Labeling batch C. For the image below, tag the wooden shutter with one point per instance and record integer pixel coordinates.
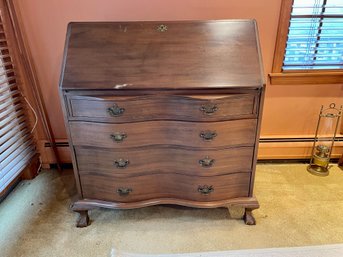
(16, 144)
(315, 36)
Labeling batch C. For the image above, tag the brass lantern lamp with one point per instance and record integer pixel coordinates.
(324, 139)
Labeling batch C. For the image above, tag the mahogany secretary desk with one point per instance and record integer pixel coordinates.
(163, 113)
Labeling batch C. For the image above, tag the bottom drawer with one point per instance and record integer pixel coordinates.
(165, 186)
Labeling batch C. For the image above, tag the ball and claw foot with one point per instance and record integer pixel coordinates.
(249, 218)
(83, 220)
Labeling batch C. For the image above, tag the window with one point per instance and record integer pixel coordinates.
(16, 144)
(309, 46)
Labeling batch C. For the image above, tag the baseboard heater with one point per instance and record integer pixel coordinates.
(262, 140)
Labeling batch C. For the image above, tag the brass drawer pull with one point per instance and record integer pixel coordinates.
(121, 164)
(209, 109)
(124, 191)
(118, 137)
(208, 135)
(205, 190)
(115, 110)
(206, 162)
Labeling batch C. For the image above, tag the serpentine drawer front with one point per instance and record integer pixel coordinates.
(163, 113)
(175, 107)
(183, 187)
(164, 160)
(181, 133)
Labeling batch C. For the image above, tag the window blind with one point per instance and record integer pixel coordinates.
(315, 36)
(16, 144)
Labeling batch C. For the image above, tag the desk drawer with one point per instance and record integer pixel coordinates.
(191, 134)
(116, 109)
(133, 162)
(175, 186)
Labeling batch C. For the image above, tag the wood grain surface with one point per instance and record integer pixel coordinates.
(228, 133)
(165, 186)
(164, 160)
(136, 55)
(88, 204)
(155, 107)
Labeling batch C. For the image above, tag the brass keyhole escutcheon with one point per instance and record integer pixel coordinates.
(162, 28)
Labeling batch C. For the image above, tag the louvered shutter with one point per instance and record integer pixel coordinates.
(16, 144)
(315, 37)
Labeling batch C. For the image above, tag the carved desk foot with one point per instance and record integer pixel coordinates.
(248, 217)
(83, 220)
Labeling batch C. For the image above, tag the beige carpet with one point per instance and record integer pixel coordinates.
(335, 250)
(297, 209)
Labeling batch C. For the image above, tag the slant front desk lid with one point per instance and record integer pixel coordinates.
(162, 55)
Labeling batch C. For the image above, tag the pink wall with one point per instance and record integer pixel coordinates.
(288, 111)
